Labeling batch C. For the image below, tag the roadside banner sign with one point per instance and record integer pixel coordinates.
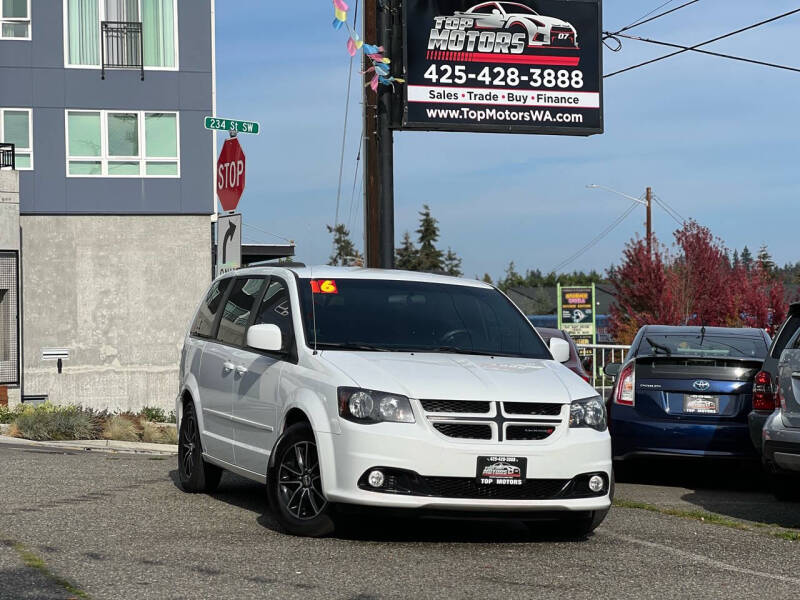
(230, 174)
(528, 66)
(219, 124)
(229, 243)
(576, 313)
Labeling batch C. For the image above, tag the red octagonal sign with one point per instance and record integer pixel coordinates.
(230, 174)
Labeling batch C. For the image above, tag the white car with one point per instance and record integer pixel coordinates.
(541, 30)
(347, 387)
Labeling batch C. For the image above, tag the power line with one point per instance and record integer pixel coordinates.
(665, 204)
(718, 54)
(644, 19)
(355, 180)
(669, 212)
(267, 232)
(596, 240)
(716, 39)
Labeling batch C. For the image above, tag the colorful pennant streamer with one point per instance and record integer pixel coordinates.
(374, 53)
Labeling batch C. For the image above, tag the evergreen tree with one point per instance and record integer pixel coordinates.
(736, 262)
(487, 279)
(452, 264)
(407, 255)
(747, 258)
(344, 250)
(765, 260)
(431, 259)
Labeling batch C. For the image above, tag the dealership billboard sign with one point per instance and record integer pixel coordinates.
(576, 313)
(529, 66)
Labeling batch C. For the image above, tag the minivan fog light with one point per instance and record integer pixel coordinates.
(375, 479)
(595, 483)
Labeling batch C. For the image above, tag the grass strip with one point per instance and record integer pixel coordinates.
(35, 561)
(707, 517)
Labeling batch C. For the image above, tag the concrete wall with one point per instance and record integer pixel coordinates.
(118, 292)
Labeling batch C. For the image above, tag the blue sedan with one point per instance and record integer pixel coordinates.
(686, 391)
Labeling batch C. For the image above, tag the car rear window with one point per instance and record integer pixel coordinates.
(691, 344)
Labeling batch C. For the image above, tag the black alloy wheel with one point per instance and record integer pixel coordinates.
(195, 474)
(294, 485)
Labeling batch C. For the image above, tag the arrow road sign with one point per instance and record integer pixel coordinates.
(218, 124)
(229, 243)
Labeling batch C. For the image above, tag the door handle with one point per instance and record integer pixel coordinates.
(227, 367)
(241, 370)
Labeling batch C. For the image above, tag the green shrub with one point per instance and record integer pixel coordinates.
(7, 415)
(48, 422)
(154, 414)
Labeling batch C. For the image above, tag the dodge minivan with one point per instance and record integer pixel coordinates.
(342, 388)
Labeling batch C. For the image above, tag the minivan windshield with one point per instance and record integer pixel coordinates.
(698, 345)
(411, 316)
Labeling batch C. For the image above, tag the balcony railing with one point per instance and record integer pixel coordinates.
(7, 157)
(121, 47)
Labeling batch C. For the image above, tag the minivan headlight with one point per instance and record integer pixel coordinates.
(369, 406)
(589, 412)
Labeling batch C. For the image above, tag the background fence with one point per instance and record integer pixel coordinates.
(596, 357)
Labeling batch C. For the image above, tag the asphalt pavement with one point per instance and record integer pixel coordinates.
(81, 524)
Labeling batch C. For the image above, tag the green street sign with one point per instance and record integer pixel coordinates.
(215, 123)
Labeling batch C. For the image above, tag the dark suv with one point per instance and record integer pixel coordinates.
(765, 398)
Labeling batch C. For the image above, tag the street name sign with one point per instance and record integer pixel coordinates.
(229, 243)
(230, 174)
(218, 124)
(528, 66)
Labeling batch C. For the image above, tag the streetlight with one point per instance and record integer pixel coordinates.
(648, 203)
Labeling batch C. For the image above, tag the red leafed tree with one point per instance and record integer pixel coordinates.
(696, 286)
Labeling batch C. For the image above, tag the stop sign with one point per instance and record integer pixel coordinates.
(230, 174)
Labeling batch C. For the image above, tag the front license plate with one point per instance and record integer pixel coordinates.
(695, 404)
(501, 470)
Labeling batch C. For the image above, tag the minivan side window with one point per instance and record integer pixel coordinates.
(786, 333)
(276, 309)
(203, 325)
(238, 308)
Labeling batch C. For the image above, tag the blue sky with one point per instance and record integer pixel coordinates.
(716, 139)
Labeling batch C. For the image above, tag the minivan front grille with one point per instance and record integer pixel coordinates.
(532, 408)
(528, 432)
(455, 406)
(478, 431)
(463, 487)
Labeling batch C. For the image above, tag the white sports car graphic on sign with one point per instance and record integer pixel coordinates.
(541, 30)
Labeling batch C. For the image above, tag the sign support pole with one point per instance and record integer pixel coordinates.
(379, 148)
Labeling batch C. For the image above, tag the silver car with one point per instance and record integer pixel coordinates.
(781, 433)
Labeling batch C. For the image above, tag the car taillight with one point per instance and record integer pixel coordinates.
(763, 392)
(625, 392)
(581, 374)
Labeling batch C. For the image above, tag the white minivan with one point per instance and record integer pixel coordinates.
(351, 387)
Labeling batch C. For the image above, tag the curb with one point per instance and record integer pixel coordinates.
(98, 446)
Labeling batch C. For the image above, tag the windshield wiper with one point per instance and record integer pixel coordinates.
(657, 346)
(350, 346)
(457, 350)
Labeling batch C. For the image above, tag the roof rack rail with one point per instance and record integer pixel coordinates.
(275, 263)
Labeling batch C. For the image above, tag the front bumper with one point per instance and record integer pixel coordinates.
(781, 444)
(413, 448)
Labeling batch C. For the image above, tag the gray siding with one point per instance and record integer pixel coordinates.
(32, 75)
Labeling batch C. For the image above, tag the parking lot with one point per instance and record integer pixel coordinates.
(97, 525)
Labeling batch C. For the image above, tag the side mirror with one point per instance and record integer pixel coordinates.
(265, 337)
(559, 349)
(612, 369)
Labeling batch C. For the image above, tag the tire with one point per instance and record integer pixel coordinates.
(784, 487)
(195, 474)
(581, 528)
(294, 485)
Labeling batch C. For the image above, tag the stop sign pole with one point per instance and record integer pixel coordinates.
(230, 173)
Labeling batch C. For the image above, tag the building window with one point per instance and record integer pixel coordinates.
(15, 19)
(104, 143)
(9, 322)
(15, 128)
(159, 20)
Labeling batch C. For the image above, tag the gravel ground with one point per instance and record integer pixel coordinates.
(117, 526)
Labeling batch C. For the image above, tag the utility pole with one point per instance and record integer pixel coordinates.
(649, 221)
(379, 150)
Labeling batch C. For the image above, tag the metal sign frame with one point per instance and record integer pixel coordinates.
(229, 239)
(513, 128)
